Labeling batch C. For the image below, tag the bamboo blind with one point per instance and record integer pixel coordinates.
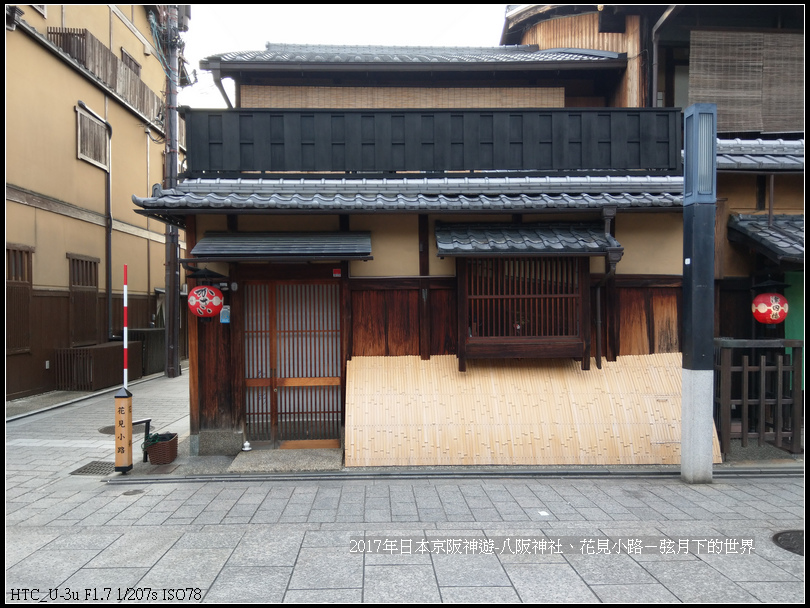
(756, 79)
(403, 411)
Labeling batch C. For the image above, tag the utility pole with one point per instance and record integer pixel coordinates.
(699, 211)
(172, 238)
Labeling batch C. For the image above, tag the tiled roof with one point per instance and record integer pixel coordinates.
(760, 155)
(516, 239)
(289, 246)
(391, 55)
(781, 239)
(418, 194)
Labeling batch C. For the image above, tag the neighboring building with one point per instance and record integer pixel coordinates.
(750, 62)
(384, 219)
(84, 130)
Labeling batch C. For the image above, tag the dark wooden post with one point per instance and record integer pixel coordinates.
(798, 402)
(461, 287)
(725, 401)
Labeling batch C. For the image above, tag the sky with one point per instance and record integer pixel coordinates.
(223, 28)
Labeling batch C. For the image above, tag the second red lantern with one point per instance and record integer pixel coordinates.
(770, 308)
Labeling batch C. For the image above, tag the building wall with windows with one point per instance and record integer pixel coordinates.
(75, 74)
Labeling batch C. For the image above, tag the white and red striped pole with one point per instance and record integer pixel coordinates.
(123, 408)
(126, 360)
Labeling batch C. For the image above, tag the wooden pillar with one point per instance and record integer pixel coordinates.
(461, 290)
(193, 343)
(424, 289)
(237, 363)
(585, 321)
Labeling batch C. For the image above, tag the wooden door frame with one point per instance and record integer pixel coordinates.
(273, 276)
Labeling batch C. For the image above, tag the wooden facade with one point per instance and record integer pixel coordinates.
(556, 141)
(487, 307)
(305, 133)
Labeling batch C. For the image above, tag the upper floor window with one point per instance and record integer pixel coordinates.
(40, 8)
(129, 61)
(92, 139)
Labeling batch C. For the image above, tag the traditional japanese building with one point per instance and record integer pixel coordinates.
(461, 255)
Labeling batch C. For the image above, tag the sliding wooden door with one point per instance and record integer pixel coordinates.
(293, 361)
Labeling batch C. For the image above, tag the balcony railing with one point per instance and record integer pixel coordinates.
(103, 63)
(758, 392)
(550, 141)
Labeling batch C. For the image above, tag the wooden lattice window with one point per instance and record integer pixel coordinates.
(518, 307)
(528, 297)
(129, 61)
(83, 300)
(92, 139)
(19, 287)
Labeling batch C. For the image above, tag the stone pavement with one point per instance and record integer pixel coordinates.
(258, 529)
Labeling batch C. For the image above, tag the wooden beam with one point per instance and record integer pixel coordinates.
(193, 342)
(461, 282)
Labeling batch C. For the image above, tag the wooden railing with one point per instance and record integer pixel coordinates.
(101, 61)
(758, 392)
(551, 141)
(96, 367)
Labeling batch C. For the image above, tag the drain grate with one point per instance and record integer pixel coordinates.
(97, 467)
(791, 540)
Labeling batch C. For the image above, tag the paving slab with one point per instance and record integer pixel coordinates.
(251, 528)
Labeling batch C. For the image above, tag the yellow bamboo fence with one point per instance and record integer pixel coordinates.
(403, 411)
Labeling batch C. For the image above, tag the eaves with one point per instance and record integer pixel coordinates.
(296, 67)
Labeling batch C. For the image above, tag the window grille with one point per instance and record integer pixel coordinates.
(523, 297)
(92, 139)
(83, 300)
(19, 287)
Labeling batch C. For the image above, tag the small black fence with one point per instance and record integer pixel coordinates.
(758, 392)
(92, 368)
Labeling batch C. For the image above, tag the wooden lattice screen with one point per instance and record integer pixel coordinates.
(293, 362)
(523, 297)
(524, 307)
(83, 300)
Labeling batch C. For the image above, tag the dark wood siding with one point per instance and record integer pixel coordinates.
(443, 322)
(548, 140)
(26, 372)
(649, 315)
(388, 317)
(385, 322)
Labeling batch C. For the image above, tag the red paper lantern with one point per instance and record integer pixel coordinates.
(770, 308)
(205, 301)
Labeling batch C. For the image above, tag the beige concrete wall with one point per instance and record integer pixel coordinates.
(289, 223)
(20, 224)
(41, 146)
(136, 166)
(41, 142)
(446, 267)
(394, 245)
(653, 243)
(210, 223)
(57, 236)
